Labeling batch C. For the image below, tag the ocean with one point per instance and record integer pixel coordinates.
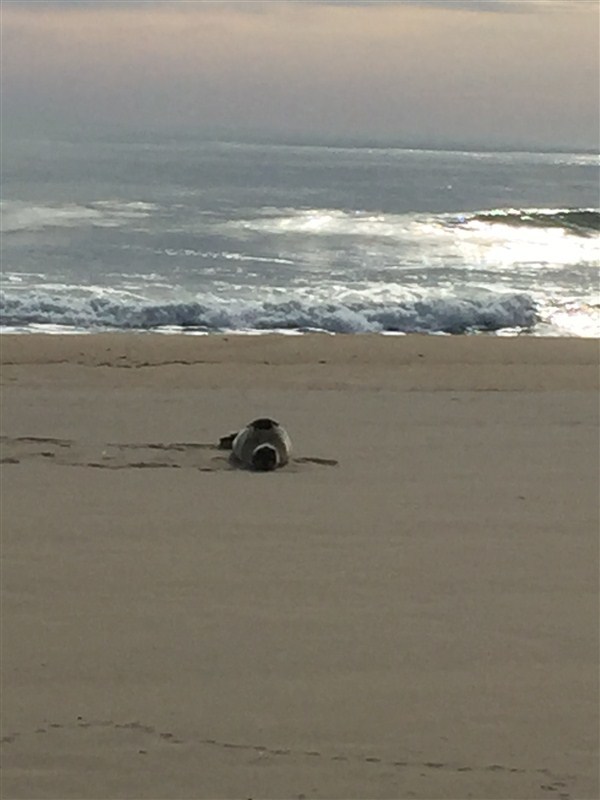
(177, 235)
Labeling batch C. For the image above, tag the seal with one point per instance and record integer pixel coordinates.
(262, 445)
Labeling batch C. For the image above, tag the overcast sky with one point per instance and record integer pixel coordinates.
(482, 73)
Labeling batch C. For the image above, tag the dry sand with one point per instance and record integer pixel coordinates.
(418, 621)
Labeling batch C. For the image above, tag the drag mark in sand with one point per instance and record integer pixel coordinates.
(205, 457)
(143, 737)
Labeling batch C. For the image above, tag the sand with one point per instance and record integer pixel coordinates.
(417, 620)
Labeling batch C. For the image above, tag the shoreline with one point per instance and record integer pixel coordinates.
(405, 363)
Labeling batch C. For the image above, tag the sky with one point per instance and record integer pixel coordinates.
(484, 73)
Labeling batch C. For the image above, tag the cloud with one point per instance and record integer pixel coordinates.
(316, 68)
(448, 5)
(496, 6)
(44, 5)
(252, 6)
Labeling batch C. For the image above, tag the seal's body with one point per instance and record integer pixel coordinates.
(262, 445)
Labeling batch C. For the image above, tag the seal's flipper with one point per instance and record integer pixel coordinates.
(226, 442)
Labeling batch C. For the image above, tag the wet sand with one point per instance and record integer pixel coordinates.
(408, 610)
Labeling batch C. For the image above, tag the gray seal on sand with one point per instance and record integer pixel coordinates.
(262, 445)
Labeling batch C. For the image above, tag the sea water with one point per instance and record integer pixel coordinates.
(194, 236)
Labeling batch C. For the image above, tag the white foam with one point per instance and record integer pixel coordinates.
(328, 222)
(485, 239)
(19, 216)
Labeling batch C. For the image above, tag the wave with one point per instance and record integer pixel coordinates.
(582, 221)
(324, 222)
(337, 222)
(19, 216)
(424, 312)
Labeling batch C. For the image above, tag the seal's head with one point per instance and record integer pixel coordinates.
(263, 424)
(265, 458)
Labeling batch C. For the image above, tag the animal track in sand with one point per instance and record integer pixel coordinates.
(205, 457)
(149, 735)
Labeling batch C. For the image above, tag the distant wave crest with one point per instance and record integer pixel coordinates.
(582, 221)
(18, 216)
(427, 312)
(327, 222)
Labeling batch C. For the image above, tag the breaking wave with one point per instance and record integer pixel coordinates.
(18, 216)
(424, 312)
(328, 222)
(581, 221)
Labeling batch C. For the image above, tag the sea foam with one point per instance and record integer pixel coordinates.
(425, 312)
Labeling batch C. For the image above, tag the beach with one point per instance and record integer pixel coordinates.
(409, 609)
